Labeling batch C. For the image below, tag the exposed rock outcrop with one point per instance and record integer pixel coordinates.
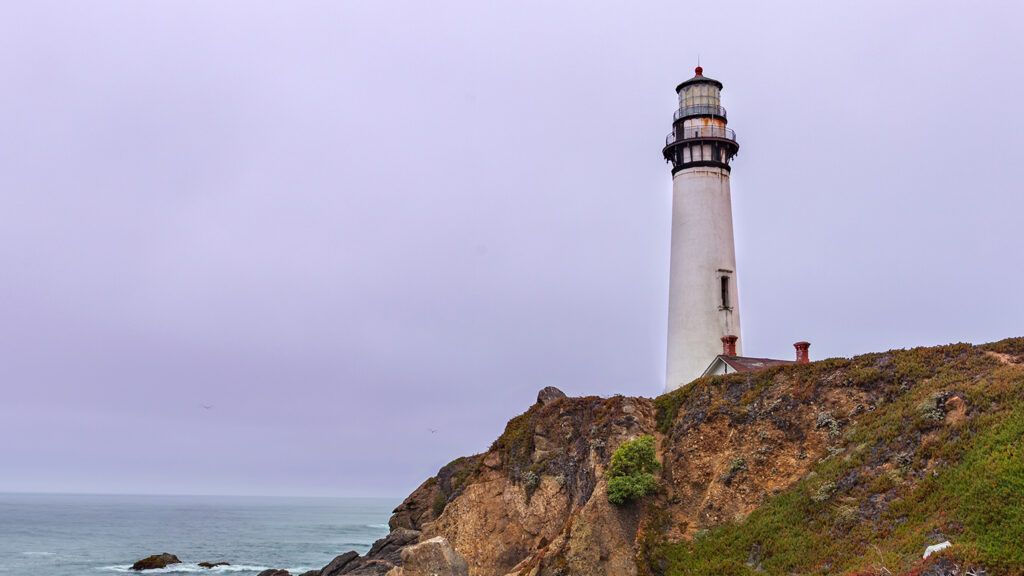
(274, 572)
(335, 567)
(384, 555)
(841, 466)
(433, 557)
(156, 561)
(212, 564)
(548, 395)
(530, 499)
(389, 548)
(430, 499)
(793, 469)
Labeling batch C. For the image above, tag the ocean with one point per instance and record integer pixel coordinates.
(87, 535)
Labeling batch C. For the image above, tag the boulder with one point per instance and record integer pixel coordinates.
(936, 548)
(548, 395)
(389, 548)
(274, 572)
(955, 409)
(156, 561)
(310, 573)
(493, 460)
(212, 564)
(434, 557)
(335, 567)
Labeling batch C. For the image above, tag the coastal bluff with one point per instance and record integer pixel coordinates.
(841, 466)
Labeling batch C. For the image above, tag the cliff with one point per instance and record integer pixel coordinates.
(842, 466)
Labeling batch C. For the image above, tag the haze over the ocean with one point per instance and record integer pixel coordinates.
(338, 225)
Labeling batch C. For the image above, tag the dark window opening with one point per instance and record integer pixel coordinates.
(725, 293)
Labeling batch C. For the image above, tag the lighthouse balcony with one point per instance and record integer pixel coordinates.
(700, 133)
(699, 110)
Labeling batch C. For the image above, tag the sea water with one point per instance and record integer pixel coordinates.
(80, 535)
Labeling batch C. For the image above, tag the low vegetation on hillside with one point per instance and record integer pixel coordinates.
(939, 457)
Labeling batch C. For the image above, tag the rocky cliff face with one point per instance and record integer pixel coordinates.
(839, 466)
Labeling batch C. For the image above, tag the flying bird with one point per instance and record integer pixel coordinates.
(207, 406)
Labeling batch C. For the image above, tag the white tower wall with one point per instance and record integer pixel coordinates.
(703, 253)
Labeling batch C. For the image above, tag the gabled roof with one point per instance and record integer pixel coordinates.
(745, 363)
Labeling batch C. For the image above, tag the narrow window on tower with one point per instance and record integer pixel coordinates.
(725, 293)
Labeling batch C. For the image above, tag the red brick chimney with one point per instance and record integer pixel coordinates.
(729, 345)
(802, 355)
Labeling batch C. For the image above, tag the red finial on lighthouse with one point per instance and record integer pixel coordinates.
(698, 71)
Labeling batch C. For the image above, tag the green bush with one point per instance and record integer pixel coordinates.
(631, 472)
(624, 489)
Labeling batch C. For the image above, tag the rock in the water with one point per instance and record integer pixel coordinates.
(311, 573)
(434, 557)
(156, 561)
(274, 572)
(548, 395)
(212, 564)
(339, 563)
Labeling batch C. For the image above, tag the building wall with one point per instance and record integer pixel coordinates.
(718, 368)
(703, 253)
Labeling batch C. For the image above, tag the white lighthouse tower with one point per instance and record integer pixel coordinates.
(703, 310)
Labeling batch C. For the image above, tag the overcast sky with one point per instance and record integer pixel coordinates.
(341, 224)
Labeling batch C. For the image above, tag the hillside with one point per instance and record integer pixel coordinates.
(842, 466)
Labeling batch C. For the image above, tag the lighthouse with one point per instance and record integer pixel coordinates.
(704, 306)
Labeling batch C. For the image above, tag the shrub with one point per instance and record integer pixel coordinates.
(827, 420)
(737, 466)
(530, 480)
(631, 472)
(824, 492)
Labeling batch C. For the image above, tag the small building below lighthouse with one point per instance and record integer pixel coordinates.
(704, 305)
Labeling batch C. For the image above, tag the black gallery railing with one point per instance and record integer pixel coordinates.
(697, 132)
(699, 110)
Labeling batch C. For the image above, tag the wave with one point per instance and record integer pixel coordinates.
(378, 526)
(39, 553)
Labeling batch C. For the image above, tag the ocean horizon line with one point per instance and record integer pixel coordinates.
(200, 495)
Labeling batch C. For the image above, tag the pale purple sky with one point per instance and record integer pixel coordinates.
(344, 223)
